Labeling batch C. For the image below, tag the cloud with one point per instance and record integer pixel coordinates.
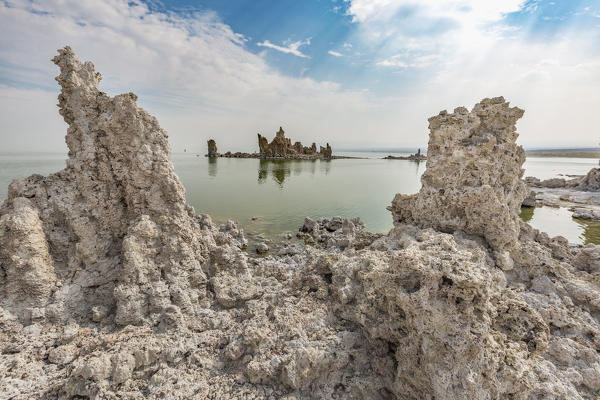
(192, 71)
(288, 48)
(200, 79)
(335, 53)
(458, 52)
(463, 11)
(409, 61)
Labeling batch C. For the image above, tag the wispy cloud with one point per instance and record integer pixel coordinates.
(288, 47)
(191, 70)
(462, 11)
(334, 53)
(199, 77)
(409, 61)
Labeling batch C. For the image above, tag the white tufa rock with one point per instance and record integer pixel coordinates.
(111, 287)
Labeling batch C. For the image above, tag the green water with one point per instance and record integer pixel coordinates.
(270, 197)
(280, 193)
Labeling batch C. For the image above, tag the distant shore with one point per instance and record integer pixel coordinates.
(563, 153)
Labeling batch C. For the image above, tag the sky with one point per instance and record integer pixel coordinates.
(355, 73)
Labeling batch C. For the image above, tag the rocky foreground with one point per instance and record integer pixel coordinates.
(112, 287)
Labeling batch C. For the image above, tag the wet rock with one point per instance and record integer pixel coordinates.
(262, 248)
(586, 213)
(553, 183)
(529, 201)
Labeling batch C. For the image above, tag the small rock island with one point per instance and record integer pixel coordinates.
(413, 157)
(280, 147)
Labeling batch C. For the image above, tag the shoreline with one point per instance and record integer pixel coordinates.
(563, 154)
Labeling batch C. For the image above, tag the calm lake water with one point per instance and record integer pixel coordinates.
(280, 193)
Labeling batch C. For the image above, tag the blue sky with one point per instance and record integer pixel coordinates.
(356, 73)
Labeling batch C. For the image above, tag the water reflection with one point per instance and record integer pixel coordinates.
(526, 213)
(280, 170)
(558, 221)
(282, 192)
(591, 230)
(212, 166)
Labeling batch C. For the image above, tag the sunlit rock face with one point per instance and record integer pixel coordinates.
(473, 177)
(112, 222)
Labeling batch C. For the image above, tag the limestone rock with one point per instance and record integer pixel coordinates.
(113, 288)
(212, 148)
(262, 248)
(108, 225)
(529, 201)
(28, 277)
(473, 177)
(590, 182)
(281, 147)
(587, 183)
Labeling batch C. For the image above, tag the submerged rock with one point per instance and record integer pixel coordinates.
(111, 286)
(529, 201)
(262, 248)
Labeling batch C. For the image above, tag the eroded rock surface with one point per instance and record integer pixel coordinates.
(589, 182)
(212, 148)
(282, 147)
(473, 177)
(111, 287)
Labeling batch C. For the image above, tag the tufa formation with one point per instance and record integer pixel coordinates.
(281, 147)
(212, 148)
(112, 287)
(473, 177)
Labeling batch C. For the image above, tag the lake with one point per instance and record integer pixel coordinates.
(271, 197)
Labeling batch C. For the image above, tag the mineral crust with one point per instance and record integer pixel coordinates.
(473, 177)
(112, 287)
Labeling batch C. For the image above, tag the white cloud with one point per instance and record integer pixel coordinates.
(195, 74)
(463, 11)
(409, 61)
(335, 53)
(288, 48)
(192, 72)
(455, 52)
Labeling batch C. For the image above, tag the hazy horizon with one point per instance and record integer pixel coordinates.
(354, 73)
